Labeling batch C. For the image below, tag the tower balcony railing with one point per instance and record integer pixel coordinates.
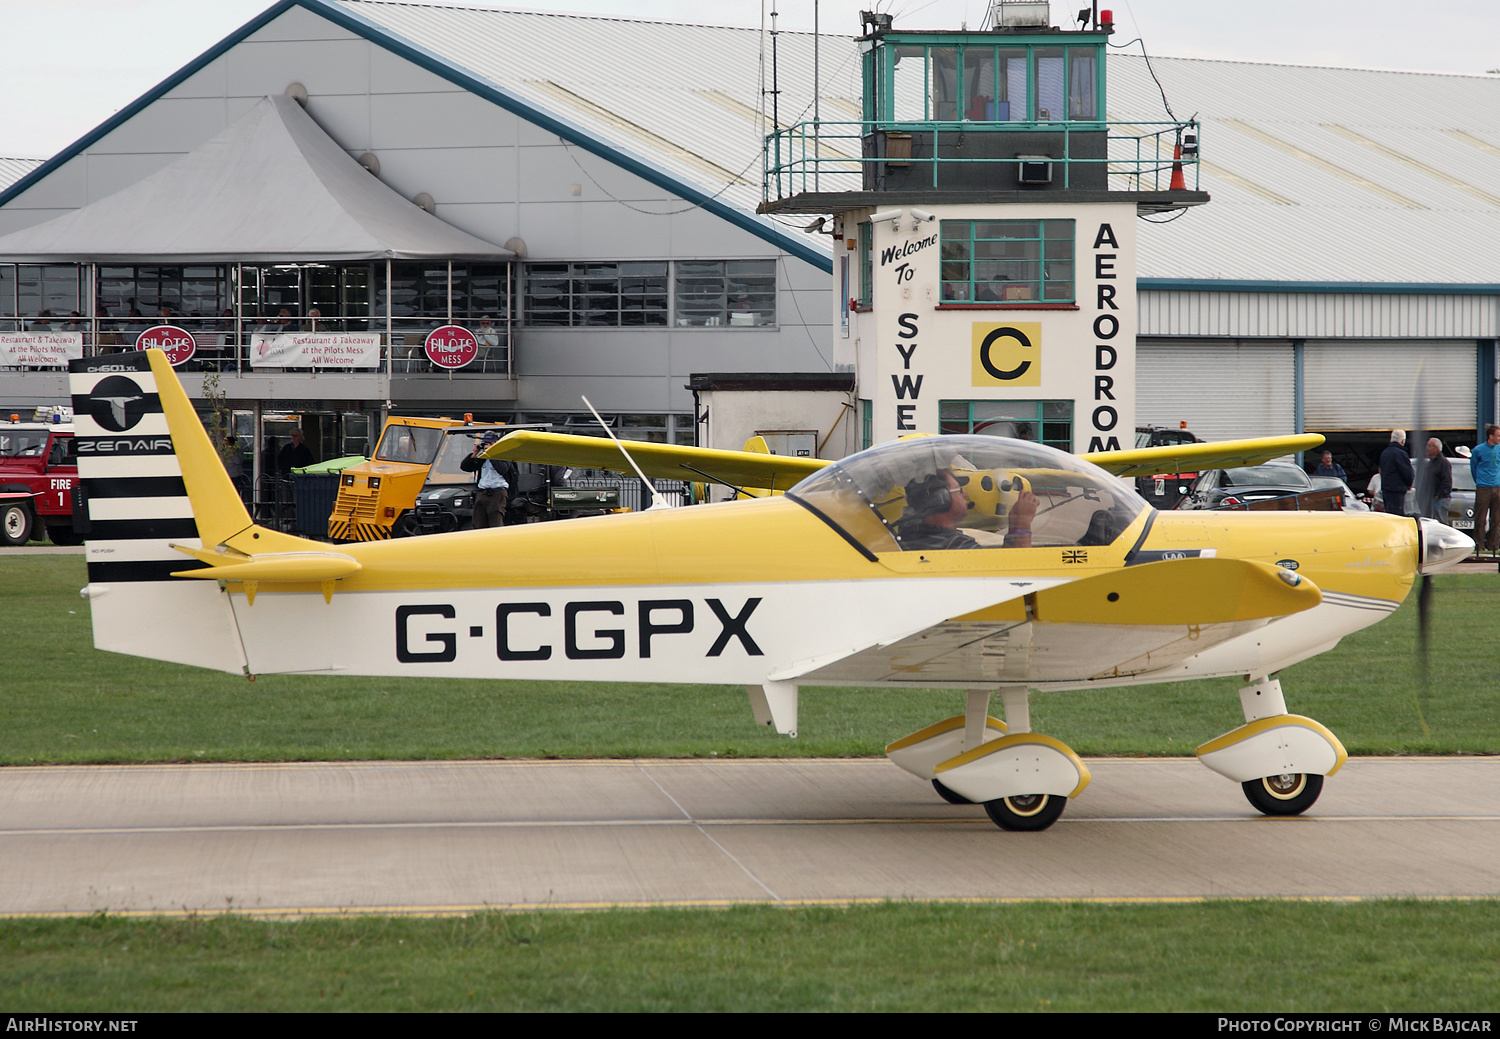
(823, 157)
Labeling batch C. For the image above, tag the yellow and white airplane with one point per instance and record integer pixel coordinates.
(992, 565)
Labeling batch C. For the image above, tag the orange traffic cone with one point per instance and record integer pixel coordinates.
(1178, 184)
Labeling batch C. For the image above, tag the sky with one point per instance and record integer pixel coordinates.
(70, 64)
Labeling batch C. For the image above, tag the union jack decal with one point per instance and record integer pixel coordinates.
(1079, 555)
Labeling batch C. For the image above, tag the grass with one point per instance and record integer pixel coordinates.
(63, 701)
(1206, 957)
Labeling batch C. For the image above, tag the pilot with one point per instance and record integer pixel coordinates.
(936, 505)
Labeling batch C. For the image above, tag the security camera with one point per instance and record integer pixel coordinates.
(816, 226)
(893, 215)
(920, 216)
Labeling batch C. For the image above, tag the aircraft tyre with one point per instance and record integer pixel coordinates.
(953, 797)
(1290, 793)
(1028, 812)
(15, 524)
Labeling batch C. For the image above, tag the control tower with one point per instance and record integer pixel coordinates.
(984, 215)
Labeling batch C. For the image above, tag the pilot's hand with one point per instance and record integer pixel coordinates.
(1023, 511)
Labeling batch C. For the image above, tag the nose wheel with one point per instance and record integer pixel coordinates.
(1025, 811)
(1290, 793)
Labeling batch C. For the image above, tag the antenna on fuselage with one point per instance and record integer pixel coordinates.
(657, 501)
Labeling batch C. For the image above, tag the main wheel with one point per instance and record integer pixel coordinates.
(1290, 793)
(1025, 811)
(953, 797)
(15, 524)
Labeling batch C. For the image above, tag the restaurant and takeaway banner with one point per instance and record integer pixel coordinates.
(40, 348)
(315, 350)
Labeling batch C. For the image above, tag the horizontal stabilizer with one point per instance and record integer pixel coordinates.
(275, 566)
(1188, 458)
(657, 461)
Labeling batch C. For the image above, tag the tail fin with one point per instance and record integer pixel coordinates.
(152, 481)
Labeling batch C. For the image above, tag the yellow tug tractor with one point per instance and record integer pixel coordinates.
(377, 499)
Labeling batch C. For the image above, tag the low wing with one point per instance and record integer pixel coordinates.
(1178, 458)
(1125, 622)
(658, 461)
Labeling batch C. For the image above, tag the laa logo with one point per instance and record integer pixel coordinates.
(117, 403)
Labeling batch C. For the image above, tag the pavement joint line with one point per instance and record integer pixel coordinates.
(485, 763)
(708, 836)
(978, 822)
(292, 912)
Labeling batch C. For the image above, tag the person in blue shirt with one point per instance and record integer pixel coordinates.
(1328, 467)
(1484, 463)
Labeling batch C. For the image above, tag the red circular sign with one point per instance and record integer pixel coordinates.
(175, 342)
(451, 346)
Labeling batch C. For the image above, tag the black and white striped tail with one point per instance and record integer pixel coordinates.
(131, 478)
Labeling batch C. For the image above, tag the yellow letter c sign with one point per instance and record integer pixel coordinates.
(1008, 353)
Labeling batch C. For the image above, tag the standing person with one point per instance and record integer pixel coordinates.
(294, 455)
(1484, 463)
(496, 477)
(1435, 483)
(1328, 467)
(1396, 474)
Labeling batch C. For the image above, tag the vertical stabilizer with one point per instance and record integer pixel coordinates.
(130, 418)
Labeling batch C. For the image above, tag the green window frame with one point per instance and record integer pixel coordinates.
(989, 83)
(1007, 261)
(1047, 422)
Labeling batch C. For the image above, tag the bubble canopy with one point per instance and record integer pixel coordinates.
(959, 492)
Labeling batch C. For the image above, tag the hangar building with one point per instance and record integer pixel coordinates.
(1341, 281)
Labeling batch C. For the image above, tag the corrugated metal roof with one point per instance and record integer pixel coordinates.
(12, 170)
(1317, 174)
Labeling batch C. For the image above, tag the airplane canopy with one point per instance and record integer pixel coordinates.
(933, 493)
(272, 187)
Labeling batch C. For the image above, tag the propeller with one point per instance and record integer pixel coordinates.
(1417, 444)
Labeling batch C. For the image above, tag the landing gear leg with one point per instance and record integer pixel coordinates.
(976, 718)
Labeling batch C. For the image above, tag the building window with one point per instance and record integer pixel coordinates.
(44, 295)
(866, 423)
(725, 292)
(1007, 261)
(1047, 422)
(619, 295)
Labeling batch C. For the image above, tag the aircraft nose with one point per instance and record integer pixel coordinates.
(1442, 547)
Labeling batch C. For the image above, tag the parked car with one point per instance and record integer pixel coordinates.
(1164, 490)
(1272, 485)
(1351, 501)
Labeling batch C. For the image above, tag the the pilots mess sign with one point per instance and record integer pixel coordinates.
(998, 318)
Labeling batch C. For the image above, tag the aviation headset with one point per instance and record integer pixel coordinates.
(929, 496)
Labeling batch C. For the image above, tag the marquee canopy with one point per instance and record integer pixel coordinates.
(272, 187)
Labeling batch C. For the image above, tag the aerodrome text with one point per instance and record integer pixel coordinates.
(1106, 326)
(589, 629)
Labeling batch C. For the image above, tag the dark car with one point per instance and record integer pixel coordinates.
(1164, 490)
(1250, 486)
